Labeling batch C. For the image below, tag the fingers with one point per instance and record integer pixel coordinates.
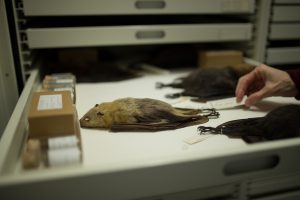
(240, 90)
(243, 85)
(252, 99)
(257, 96)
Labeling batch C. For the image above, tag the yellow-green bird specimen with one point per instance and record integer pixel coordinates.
(140, 114)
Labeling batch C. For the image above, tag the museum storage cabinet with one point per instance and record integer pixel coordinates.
(158, 165)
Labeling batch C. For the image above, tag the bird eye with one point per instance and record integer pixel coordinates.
(96, 105)
(87, 119)
(100, 114)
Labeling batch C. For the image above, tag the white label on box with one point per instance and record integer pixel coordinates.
(65, 156)
(49, 102)
(63, 89)
(62, 142)
(64, 81)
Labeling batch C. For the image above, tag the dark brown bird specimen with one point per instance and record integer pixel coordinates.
(207, 83)
(145, 114)
(280, 123)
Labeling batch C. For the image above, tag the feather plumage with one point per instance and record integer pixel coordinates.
(207, 83)
(140, 114)
(280, 123)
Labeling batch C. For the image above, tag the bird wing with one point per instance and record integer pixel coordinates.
(153, 127)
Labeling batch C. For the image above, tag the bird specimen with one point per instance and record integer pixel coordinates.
(207, 83)
(280, 123)
(142, 114)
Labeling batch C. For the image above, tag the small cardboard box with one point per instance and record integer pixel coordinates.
(51, 114)
(219, 59)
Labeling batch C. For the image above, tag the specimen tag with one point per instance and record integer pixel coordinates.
(197, 138)
(225, 103)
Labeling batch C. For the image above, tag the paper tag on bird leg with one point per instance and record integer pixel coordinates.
(226, 103)
(197, 138)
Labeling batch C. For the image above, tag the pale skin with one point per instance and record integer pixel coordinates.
(264, 81)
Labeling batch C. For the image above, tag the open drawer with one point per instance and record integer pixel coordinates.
(145, 165)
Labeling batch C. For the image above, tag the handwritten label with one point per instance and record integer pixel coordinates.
(49, 102)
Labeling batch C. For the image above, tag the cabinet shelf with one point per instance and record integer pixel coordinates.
(286, 13)
(135, 7)
(285, 31)
(134, 35)
(283, 55)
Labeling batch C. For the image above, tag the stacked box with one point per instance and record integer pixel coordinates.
(51, 114)
(219, 59)
(54, 134)
(60, 82)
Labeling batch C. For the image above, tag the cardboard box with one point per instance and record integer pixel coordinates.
(51, 114)
(219, 59)
(242, 68)
(60, 82)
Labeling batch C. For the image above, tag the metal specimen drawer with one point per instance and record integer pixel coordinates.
(132, 35)
(107, 7)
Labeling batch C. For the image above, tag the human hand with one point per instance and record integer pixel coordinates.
(262, 82)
